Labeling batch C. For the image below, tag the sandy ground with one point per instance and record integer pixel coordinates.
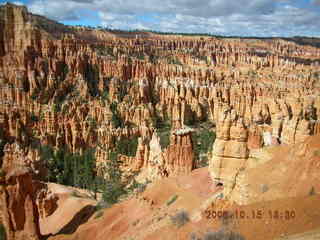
(148, 217)
(312, 235)
(292, 214)
(71, 202)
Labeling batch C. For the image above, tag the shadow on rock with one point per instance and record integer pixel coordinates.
(80, 218)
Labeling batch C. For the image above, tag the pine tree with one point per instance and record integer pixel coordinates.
(3, 235)
(114, 187)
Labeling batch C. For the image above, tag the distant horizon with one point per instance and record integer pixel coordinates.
(296, 18)
(187, 34)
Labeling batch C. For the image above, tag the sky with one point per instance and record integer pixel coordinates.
(262, 18)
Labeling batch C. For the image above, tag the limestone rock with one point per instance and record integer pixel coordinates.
(230, 151)
(19, 209)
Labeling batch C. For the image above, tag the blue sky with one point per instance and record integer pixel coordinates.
(226, 17)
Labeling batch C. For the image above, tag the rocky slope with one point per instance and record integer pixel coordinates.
(76, 88)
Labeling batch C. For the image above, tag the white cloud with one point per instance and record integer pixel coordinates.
(18, 3)
(66, 10)
(234, 17)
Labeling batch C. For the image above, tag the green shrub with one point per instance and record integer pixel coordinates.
(34, 118)
(180, 219)
(2, 173)
(76, 194)
(104, 50)
(116, 119)
(202, 144)
(206, 139)
(316, 153)
(138, 187)
(3, 142)
(222, 235)
(98, 214)
(102, 205)
(105, 95)
(57, 107)
(191, 121)
(264, 188)
(174, 60)
(113, 191)
(140, 56)
(163, 127)
(312, 191)
(203, 58)
(92, 122)
(65, 70)
(172, 200)
(161, 123)
(3, 234)
(91, 76)
(153, 58)
(193, 236)
(34, 96)
(127, 147)
(164, 139)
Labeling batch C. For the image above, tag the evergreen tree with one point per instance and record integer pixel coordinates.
(3, 235)
(79, 171)
(70, 169)
(114, 187)
(116, 119)
(127, 147)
